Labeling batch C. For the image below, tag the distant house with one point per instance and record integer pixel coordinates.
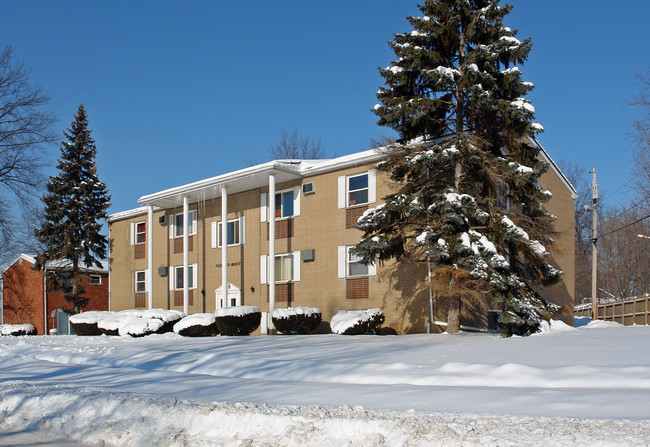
(25, 298)
(216, 243)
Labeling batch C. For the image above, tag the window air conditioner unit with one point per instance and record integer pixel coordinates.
(162, 220)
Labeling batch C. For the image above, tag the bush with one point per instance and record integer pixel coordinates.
(197, 325)
(357, 322)
(17, 329)
(296, 320)
(238, 320)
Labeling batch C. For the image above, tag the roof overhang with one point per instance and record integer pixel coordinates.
(237, 181)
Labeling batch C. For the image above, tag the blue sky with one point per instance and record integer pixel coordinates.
(181, 91)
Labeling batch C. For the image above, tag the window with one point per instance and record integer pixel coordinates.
(355, 267)
(176, 279)
(308, 188)
(141, 281)
(177, 224)
(140, 233)
(357, 189)
(503, 201)
(235, 232)
(284, 204)
(287, 204)
(350, 264)
(232, 228)
(95, 280)
(287, 267)
(284, 267)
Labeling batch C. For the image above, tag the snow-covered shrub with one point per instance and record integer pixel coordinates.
(356, 322)
(197, 325)
(17, 329)
(296, 320)
(238, 320)
(85, 323)
(168, 317)
(138, 323)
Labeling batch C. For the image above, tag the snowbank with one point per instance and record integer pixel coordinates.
(586, 386)
(204, 319)
(117, 419)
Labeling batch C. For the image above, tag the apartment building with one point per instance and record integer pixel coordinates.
(278, 234)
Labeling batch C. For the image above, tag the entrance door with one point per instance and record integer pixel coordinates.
(233, 297)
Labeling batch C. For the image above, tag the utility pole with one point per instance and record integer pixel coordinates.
(594, 249)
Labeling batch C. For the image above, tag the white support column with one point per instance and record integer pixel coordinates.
(224, 246)
(150, 256)
(271, 258)
(186, 256)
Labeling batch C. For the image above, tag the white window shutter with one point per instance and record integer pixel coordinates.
(263, 269)
(172, 271)
(372, 186)
(132, 233)
(172, 221)
(341, 196)
(342, 261)
(263, 208)
(195, 276)
(296, 265)
(242, 230)
(372, 269)
(296, 201)
(213, 231)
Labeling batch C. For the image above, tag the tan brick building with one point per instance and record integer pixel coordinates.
(27, 300)
(299, 214)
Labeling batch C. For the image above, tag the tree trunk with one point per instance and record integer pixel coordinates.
(453, 314)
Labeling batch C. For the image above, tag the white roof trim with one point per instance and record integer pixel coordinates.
(547, 158)
(129, 213)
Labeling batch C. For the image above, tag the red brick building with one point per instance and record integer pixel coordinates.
(25, 298)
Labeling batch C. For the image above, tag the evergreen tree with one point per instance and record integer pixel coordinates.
(466, 163)
(75, 203)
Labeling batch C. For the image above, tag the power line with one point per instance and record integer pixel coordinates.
(624, 226)
(645, 199)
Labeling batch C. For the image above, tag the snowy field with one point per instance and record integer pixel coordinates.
(584, 386)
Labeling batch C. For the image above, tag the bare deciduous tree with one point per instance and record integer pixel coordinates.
(293, 145)
(25, 130)
(623, 262)
(641, 133)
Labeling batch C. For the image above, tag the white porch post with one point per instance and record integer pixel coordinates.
(271, 276)
(150, 256)
(186, 262)
(224, 246)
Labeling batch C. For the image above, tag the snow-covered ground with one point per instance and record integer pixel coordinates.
(584, 386)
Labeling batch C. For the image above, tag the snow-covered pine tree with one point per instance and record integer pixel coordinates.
(75, 204)
(466, 163)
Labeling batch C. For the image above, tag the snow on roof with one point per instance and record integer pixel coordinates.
(61, 264)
